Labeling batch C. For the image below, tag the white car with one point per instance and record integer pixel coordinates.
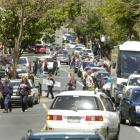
(133, 81)
(22, 71)
(24, 61)
(77, 50)
(50, 62)
(90, 111)
(71, 45)
(89, 52)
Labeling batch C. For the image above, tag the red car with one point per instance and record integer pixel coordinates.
(40, 49)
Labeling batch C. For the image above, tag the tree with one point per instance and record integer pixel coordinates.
(21, 24)
(119, 18)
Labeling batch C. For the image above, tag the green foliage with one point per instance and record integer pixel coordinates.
(119, 18)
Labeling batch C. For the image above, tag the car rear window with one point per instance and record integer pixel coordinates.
(76, 102)
(65, 139)
(22, 61)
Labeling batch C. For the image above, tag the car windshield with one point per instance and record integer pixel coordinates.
(76, 102)
(21, 71)
(103, 74)
(136, 96)
(88, 51)
(134, 81)
(128, 63)
(15, 84)
(78, 49)
(22, 61)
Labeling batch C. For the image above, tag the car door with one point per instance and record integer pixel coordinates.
(112, 115)
(125, 104)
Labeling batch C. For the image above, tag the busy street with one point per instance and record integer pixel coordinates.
(17, 124)
(69, 70)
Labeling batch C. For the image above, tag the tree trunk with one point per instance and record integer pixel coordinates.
(18, 41)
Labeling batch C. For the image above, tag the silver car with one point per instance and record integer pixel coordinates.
(33, 98)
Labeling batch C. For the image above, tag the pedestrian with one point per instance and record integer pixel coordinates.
(50, 85)
(39, 69)
(7, 93)
(84, 76)
(1, 91)
(35, 66)
(24, 90)
(72, 82)
(46, 65)
(55, 67)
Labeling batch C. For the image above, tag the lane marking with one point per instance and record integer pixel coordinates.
(45, 107)
(137, 128)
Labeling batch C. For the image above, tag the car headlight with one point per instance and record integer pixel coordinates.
(137, 108)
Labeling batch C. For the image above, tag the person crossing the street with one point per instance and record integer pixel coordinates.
(7, 93)
(50, 85)
(23, 90)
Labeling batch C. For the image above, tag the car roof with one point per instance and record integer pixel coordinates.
(134, 76)
(81, 93)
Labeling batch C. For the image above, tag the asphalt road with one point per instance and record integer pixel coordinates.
(14, 125)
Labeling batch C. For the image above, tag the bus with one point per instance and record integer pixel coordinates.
(125, 61)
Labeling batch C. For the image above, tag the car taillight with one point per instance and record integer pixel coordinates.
(94, 118)
(54, 117)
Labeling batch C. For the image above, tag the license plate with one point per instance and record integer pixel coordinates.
(73, 119)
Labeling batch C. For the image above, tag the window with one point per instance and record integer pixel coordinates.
(77, 102)
(136, 95)
(107, 103)
(22, 61)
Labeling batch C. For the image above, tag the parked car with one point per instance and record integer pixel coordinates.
(22, 71)
(33, 98)
(130, 106)
(25, 62)
(63, 136)
(90, 111)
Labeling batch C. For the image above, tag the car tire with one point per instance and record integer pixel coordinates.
(118, 132)
(122, 120)
(30, 104)
(37, 101)
(107, 134)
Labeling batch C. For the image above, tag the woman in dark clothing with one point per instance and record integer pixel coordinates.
(24, 90)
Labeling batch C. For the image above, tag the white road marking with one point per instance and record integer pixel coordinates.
(45, 107)
(137, 128)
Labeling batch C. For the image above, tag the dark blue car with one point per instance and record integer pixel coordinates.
(64, 136)
(130, 106)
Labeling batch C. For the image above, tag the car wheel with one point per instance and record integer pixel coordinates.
(122, 120)
(38, 100)
(131, 122)
(107, 134)
(30, 104)
(118, 132)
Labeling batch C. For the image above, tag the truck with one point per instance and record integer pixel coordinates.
(125, 61)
